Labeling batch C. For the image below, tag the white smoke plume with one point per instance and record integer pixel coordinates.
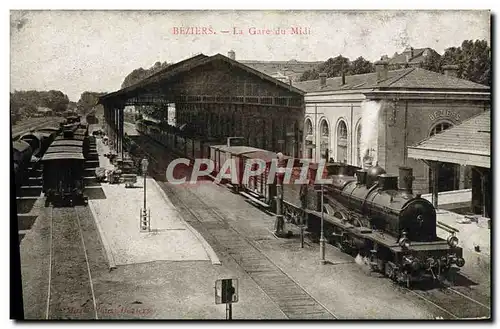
(364, 263)
(369, 129)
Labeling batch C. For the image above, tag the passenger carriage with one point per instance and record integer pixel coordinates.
(219, 154)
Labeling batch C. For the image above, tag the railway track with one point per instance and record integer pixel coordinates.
(448, 302)
(462, 306)
(26, 127)
(288, 295)
(70, 293)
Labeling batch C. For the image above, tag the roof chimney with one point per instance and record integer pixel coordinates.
(231, 54)
(322, 79)
(451, 70)
(409, 52)
(381, 69)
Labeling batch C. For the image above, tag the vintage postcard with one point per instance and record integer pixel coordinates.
(251, 165)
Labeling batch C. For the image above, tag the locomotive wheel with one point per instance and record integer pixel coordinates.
(339, 245)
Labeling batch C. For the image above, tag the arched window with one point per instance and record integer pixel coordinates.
(341, 142)
(440, 127)
(449, 173)
(325, 140)
(325, 132)
(309, 127)
(358, 143)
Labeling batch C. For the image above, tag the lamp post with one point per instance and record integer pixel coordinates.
(303, 206)
(279, 224)
(144, 165)
(322, 237)
(145, 225)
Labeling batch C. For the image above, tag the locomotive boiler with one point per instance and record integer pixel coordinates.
(388, 225)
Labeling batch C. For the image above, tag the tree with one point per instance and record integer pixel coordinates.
(476, 61)
(361, 66)
(55, 100)
(309, 75)
(334, 67)
(25, 103)
(140, 74)
(473, 59)
(432, 62)
(88, 100)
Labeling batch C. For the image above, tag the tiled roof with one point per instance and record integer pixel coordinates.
(184, 66)
(408, 78)
(416, 58)
(473, 136)
(270, 67)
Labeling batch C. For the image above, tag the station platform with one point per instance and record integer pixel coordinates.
(118, 219)
(451, 197)
(470, 235)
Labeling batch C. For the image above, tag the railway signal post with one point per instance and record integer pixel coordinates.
(226, 292)
(145, 214)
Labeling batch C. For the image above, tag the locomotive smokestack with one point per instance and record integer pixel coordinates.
(361, 176)
(406, 179)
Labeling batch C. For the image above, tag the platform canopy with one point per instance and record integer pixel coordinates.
(468, 144)
(166, 85)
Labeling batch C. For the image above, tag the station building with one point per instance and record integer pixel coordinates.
(210, 98)
(375, 117)
(467, 144)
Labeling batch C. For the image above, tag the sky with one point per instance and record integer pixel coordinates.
(77, 51)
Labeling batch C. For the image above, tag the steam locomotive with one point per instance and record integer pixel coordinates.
(383, 221)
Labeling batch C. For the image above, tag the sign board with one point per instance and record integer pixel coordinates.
(310, 146)
(281, 141)
(290, 134)
(144, 164)
(226, 291)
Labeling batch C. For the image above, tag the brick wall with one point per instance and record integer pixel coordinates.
(421, 116)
